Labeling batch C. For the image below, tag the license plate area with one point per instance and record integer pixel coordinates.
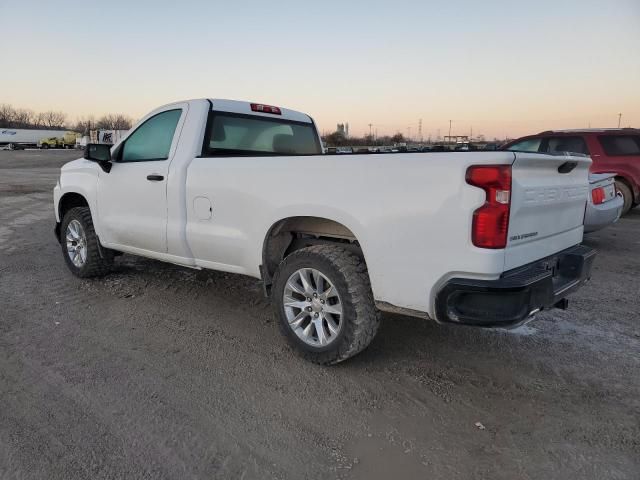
(552, 265)
(609, 192)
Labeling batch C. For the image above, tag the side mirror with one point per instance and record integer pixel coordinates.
(99, 153)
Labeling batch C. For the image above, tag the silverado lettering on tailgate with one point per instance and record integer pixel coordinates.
(553, 194)
(523, 236)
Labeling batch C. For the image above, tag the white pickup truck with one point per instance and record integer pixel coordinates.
(469, 238)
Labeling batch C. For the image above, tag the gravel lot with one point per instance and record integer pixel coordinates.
(162, 372)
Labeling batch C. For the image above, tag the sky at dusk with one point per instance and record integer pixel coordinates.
(503, 68)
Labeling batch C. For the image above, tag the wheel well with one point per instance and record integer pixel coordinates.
(293, 233)
(69, 201)
(624, 180)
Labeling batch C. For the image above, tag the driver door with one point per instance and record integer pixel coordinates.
(132, 197)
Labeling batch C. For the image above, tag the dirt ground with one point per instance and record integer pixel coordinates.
(162, 372)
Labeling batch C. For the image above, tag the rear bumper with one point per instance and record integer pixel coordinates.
(517, 294)
(603, 215)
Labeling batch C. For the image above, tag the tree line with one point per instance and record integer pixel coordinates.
(51, 120)
(338, 139)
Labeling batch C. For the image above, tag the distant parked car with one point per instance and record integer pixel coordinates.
(492, 146)
(604, 205)
(612, 150)
(439, 148)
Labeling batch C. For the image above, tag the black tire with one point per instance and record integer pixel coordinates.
(348, 273)
(99, 260)
(627, 196)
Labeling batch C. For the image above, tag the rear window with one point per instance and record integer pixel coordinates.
(231, 134)
(529, 145)
(566, 144)
(620, 144)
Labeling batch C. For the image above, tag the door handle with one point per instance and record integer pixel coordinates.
(567, 167)
(155, 178)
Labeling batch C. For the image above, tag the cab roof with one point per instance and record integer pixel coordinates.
(590, 130)
(243, 107)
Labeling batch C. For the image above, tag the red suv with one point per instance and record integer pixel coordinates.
(612, 150)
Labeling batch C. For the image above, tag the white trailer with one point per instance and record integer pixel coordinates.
(27, 136)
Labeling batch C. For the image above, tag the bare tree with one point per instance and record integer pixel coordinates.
(53, 119)
(38, 120)
(6, 115)
(114, 122)
(335, 139)
(23, 118)
(84, 124)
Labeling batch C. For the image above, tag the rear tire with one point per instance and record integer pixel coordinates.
(627, 196)
(81, 249)
(352, 330)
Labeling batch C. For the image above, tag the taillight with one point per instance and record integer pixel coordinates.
(258, 107)
(491, 220)
(597, 195)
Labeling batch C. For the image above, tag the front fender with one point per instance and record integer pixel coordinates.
(79, 177)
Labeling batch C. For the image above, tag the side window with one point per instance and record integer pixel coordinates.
(620, 144)
(151, 140)
(566, 144)
(530, 145)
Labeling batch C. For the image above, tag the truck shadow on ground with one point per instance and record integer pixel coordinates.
(400, 338)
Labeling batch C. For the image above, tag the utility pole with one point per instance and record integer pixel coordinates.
(449, 131)
(420, 130)
(619, 118)
(370, 125)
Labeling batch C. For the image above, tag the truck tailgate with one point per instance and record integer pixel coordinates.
(548, 199)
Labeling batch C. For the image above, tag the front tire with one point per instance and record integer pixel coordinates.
(324, 302)
(80, 245)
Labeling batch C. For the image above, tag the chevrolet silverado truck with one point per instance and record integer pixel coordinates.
(485, 239)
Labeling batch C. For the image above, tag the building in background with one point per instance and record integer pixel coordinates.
(343, 128)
